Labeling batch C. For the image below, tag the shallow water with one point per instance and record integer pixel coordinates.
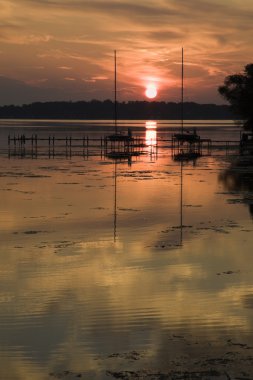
(107, 266)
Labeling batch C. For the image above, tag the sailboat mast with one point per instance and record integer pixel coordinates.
(115, 91)
(182, 93)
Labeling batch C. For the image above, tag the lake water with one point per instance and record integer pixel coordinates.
(125, 269)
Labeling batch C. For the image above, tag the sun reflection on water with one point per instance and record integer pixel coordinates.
(151, 133)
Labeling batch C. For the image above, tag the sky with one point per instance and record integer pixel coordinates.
(64, 49)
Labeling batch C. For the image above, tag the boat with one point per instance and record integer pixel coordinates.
(185, 136)
(191, 151)
(118, 136)
(121, 145)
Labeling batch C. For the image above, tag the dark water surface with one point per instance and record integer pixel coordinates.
(108, 267)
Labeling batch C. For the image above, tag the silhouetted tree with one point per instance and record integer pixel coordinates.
(238, 90)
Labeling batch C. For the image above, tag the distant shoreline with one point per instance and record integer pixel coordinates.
(104, 110)
(112, 120)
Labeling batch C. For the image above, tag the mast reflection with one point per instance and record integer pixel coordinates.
(115, 203)
(151, 136)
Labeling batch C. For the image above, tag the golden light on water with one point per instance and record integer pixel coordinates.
(150, 137)
(150, 124)
(151, 133)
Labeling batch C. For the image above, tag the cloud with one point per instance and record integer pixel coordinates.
(64, 68)
(99, 77)
(89, 80)
(13, 36)
(165, 35)
(36, 82)
(148, 35)
(18, 92)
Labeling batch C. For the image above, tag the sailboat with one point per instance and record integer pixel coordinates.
(117, 136)
(122, 145)
(191, 150)
(185, 136)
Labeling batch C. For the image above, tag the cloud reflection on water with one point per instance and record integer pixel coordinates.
(77, 295)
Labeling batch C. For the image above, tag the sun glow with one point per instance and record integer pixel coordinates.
(151, 91)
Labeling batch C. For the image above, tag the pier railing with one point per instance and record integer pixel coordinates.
(34, 146)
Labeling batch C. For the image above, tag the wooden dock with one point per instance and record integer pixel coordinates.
(120, 148)
(33, 145)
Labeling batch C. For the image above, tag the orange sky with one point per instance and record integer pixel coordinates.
(63, 49)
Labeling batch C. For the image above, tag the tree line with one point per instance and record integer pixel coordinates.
(132, 110)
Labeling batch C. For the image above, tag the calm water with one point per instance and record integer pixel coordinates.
(107, 266)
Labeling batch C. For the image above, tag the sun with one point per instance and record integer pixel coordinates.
(151, 91)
